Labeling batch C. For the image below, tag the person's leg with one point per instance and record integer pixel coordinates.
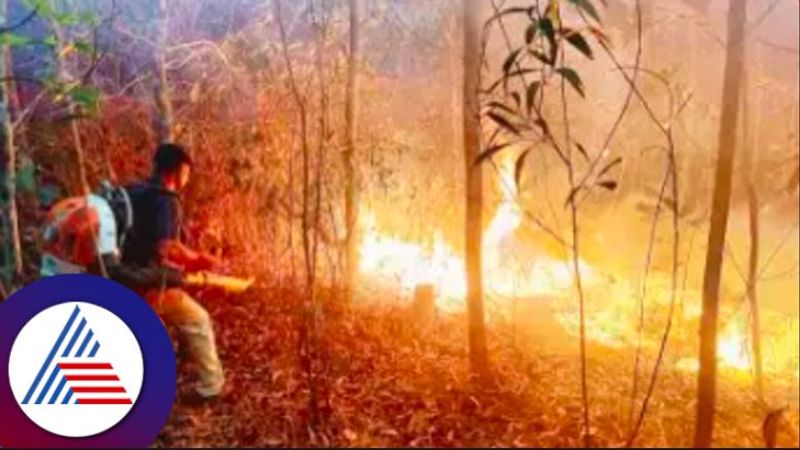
(194, 323)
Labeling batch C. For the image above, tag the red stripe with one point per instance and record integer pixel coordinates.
(104, 401)
(97, 389)
(84, 366)
(92, 378)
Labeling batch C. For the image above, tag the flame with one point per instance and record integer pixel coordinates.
(392, 259)
(508, 217)
(510, 272)
(732, 351)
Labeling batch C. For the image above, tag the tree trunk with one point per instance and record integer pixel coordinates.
(307, 331)
(11, 154)
(707, 376)
(351, 189)
(750, 144)
(14, 106)
(66, 78)
(474, 188)
(164, 125)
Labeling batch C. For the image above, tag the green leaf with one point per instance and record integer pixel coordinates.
(549, 31)
(50, 41)
(553, 11)
(517, 99)
(519, 165)
(500, 105)
(587, 7)
(510, 60)
(530, 33)
(67, 19)
(599, 35)
(14, 40)
(541, 123)
(573, 78)
(547, 27)
(489, 152)
(503, 122)
(580, 43)
(83, 47)
(582, 150)
(608, 184)
(530, 97)
(542, 57)
(87, 96)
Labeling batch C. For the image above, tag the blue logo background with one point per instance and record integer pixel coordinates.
(141, 426)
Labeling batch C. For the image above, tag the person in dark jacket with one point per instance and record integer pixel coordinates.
(131, 235)
(154, 242)
(83, 234)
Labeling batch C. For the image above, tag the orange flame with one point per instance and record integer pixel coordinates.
(391, 258)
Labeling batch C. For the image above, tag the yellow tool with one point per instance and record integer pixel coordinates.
(233, 285)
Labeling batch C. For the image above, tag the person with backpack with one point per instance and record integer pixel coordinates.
(131, 235)
(153, 242)
(84, 235)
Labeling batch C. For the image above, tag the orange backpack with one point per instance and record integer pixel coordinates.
(79, 230)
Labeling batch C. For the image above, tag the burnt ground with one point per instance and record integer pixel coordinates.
(385, 378)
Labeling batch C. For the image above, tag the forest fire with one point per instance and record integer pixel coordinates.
(392, 259)
(732, 352)
(404, 224)
(405, 264)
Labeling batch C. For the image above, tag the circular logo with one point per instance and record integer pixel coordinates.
(88, 357)
(89, 365)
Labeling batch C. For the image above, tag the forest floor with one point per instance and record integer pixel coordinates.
(386, 379)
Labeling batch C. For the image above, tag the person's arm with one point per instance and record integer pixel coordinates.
(141, 277)
(173, 252)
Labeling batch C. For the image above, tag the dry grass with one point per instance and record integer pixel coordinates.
(390, 382)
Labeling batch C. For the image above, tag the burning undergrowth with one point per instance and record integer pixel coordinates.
(626, 309)
(392, 381)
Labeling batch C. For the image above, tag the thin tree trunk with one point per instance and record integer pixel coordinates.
(707, 376)
(307, 331)
(351, 189)
(750, 143)
(164, 121)
(66, 78)
(474, 189)
(14, 106)
(11, 154)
